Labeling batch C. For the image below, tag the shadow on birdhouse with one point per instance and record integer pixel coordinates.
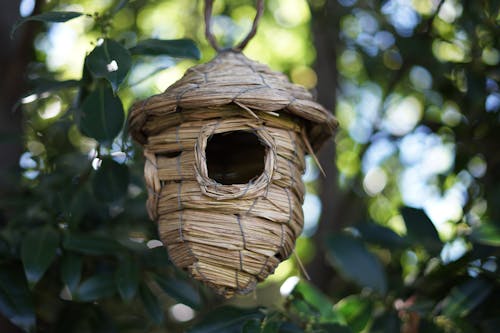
(225, 151)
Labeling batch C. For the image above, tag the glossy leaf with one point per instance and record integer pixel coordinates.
(111, 61)
(226, 319)
(102, 115)
(127, 278)
(16, 302)
(356, 310)
(47, 17)
(487, 234)
(319, 300)
(383, 236)
(252, 326)
(269, 326)
(155, 257)
(421, 230)
(71, 270)
(355, 262)
(111, 180)
(38, 250)
(466, 297)
(151, 304)
(303, 308)
(178, 48)
(93, 245)
(96, 287)
(180, 290)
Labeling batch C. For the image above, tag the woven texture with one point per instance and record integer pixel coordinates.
(228, 204)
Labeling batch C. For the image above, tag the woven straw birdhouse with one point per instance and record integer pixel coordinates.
(225, 150)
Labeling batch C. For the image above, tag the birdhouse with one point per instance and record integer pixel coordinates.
(225, 151)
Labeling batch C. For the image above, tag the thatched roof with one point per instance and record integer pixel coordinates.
(233, 78)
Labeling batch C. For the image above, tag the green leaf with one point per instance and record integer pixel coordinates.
(313, 296)
(226, 319)
(420, 229)
(71, 270)
(251, 326)
(180, 290)
(356, 263)
(127, 278)
(96, 287)
(155, 257)
(270, 326)
(111, 180)
(93, 245)
(464, 298)
(15, 298)
(151, 304)
(383, 236)
(302, 308)
(487, 234)
(46, 17)
(179, 48)
(38, 250)
(356, 310)
(111, 61)
(76, 208)
(102, 115)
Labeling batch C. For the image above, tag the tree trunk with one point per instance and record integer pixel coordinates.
(339, 208)
(15, 55)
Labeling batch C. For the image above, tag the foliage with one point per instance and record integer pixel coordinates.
(79, 254)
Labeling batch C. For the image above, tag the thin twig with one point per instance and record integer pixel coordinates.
(253, 31)
(431, 19)
(208, 21)
(211, 38)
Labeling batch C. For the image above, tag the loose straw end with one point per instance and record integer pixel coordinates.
(311, 152)
(301, 266)
(247, 109)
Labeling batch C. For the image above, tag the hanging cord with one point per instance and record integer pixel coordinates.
(208, 23)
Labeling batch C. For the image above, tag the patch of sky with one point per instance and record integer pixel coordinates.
(402, 16)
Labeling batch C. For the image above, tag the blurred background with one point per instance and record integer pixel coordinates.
(402, 235)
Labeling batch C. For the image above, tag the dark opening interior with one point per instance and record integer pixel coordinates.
(235, 157)
(171, 154)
